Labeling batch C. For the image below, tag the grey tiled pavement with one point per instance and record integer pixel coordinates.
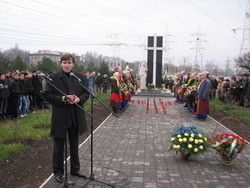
(133, 151)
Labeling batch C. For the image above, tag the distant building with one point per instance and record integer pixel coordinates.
(55, 56)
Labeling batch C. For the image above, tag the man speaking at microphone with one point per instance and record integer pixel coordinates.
(67, 118)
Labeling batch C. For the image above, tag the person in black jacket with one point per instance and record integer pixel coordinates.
(30, 90)
(23, 101)
(14, 96)
(37, 86)
(105, 82)
(7, 76)
(214, 84)
(98, 83)
(66, 116)
(245, 90)
(4, 95)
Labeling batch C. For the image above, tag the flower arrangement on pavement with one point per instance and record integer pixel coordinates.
(189, 140)
(228, 145)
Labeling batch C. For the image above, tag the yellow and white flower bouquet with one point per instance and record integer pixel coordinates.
(189, 141)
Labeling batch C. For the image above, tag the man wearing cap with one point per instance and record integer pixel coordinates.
(203, 92)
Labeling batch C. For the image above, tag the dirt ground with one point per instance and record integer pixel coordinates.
(31, 167)
(237, 126)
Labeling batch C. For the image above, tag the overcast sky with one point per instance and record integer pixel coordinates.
(79, 26)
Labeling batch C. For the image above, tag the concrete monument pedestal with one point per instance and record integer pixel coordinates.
(154, 92)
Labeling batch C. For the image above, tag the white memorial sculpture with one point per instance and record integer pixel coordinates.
(143, 74)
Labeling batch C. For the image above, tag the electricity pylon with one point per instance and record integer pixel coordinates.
(198, 49)
(245, 45)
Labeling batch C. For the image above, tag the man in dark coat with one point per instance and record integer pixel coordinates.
(214, 84)
(30, 90)
(105, 82)
(37, 88)
(203, 92)
(4, 95)
(66, 116)
(12, 108)
(23, 100)
(98, 82)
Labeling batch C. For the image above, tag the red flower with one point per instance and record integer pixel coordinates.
(220, 149)
(225, 140)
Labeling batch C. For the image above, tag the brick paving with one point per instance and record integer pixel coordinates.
(133, 151)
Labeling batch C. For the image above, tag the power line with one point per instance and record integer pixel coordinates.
(241, 4)
(204, 12)
(231, 11)
(76, 13)
(53, 15)
(53, 25)
(39, 34)
(48, 22)
(121, 13)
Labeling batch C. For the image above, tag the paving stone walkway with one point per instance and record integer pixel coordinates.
(133, 151)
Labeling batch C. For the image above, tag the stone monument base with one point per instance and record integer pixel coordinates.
(154, 92)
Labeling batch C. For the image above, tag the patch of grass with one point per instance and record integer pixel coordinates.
(25, 128)
(9, 149)
(239, 112)
(101, 97)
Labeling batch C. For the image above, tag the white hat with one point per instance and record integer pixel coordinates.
(204, 72)
(116, 74)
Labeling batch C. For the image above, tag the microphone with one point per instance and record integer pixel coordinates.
(72, 74)
(46, 77)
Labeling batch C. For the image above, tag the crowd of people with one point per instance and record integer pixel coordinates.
(21, 91)
(123, 86)
(97, 83)
(20, 94)
(235, 91)
(195, 90)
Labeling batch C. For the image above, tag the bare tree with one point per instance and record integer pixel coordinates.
(244, 61)
(92, 57)
(13, 53)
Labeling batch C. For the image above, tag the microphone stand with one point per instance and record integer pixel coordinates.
(93, 96)
(66, 183)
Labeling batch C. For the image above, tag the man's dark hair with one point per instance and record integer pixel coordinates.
(66, 57)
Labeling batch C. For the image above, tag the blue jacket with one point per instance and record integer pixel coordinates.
(91, 81)
(204, 90)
